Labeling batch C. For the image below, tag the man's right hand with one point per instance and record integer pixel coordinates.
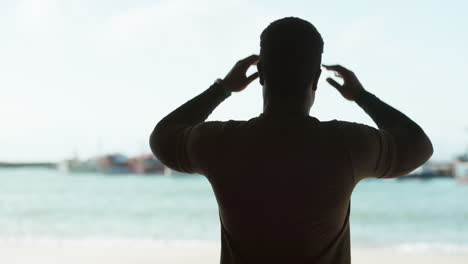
(351, 86)
(236, 80)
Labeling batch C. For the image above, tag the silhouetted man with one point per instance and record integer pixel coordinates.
(283, 180)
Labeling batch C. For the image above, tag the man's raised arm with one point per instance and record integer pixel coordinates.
(170, 137)
(403, 145)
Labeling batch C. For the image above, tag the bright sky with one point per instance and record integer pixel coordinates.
(95, 76)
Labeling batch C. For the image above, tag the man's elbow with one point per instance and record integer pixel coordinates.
(162, 145)
(412, 156)
(155, 143)
(424, 148)
(429, 149)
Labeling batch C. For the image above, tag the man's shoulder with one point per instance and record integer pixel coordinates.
(348, 129)
(224, 125)
(332, 124)
(345, 124)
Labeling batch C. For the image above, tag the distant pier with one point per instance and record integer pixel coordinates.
(47, 165)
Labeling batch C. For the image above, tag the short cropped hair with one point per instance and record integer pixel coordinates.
(290, 53)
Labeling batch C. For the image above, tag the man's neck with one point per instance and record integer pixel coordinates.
(285, 108)
(276, 105)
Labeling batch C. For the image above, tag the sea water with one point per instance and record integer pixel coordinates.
(43, 207)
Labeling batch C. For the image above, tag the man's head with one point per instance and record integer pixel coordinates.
(290, 57)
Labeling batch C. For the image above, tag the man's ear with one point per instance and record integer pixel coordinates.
(260, 73)
(316, 79)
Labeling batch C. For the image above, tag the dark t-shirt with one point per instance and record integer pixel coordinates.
(283, 184)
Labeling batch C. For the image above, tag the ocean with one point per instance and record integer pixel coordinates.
(46, 207)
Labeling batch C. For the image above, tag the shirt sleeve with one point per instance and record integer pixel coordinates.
(203, 146)
(372, 151)
(184, 130)
(190, 149)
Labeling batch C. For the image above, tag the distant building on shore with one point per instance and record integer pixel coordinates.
(461, 169)
(115, 164)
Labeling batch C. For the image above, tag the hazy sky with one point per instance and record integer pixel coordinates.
(95, 76)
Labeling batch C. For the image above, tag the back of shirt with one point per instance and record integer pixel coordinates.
(283, 183)
(283, 187)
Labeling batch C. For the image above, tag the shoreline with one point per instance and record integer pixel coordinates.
(148, 244)
(208, 253)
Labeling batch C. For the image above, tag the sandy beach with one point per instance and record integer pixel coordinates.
(189, 254)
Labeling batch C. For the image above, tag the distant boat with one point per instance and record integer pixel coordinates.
(146, 164)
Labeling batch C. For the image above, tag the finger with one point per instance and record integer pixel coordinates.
(334, 84)
(335, 67)
(250, 60)
(252, 77)
(338, 68)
